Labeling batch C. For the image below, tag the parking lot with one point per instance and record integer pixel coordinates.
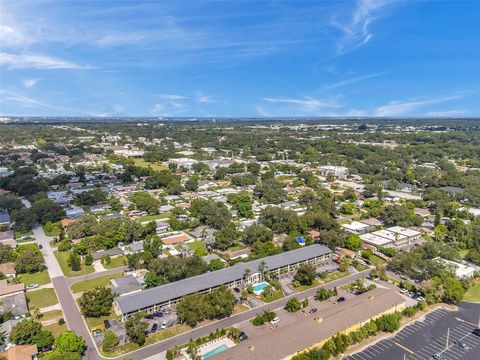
(424, 338)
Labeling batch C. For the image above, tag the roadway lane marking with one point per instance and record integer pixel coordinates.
(404, 348)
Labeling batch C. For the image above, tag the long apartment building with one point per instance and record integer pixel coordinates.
(164, 296)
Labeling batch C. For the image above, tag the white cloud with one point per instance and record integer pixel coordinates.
(352, 80)
(23, 101)
(10, 36)
(356, 28)
(397, 108)
(203, 99)
(172, 97)
(306, 103)
(28, 83)
(24, 61)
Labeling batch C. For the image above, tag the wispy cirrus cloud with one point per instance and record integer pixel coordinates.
(352, 80)
(172, 97)
(398, 108)
(306, 103)
(355, 28)
(202, 98)
(35, 61)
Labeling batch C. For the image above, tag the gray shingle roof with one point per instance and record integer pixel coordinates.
(164, 293)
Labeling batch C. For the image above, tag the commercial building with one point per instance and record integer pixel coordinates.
(461, 271)
(309, 332)
(356, 227)
(164, 296)
(340, 172)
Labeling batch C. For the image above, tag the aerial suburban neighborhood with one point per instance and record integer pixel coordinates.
(178, 240)
(239, 180)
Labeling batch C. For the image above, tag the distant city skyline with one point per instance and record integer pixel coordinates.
(247, 59)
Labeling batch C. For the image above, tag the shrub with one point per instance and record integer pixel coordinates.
(293, 305)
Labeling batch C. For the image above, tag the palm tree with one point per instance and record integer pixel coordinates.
(262, 267)
(246, 273)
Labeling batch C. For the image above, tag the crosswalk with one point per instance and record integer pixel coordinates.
(406, 343)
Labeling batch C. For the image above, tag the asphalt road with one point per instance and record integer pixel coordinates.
(53, 267)
(423, 338)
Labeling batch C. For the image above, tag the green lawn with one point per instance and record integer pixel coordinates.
(93, 283)
(167, 333)
(277, 295)
(28, 235)
(98, 322)
(144, 164)
(41, 298)
(50, 315)
(54, 232)
(334, 276)
(56, 329)
(154, 217)
(40, 278)
(473, 293)
(116, 262)
(306, 287)
(195, 245)
(376, 260)
(62, 257)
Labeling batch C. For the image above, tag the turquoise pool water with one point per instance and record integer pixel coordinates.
(258, 288)
(215, 351)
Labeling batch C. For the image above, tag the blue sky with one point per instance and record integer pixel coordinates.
(248, 58)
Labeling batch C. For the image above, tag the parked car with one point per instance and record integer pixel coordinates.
(164, 325)
(150, 316)
(275, 320)
(476, 332)
(107, 324)
(159, 314)
(31, 286)
(236, 289)
(243, 336)
(312, 311)
(154, 328)
(40, 246)
(439, 357)
(462, 345)
(341, 299)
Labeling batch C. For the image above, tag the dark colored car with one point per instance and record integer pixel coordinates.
(150, 316)
(107, 325)
(341, 299)
(312, 311)
(236, 289)
(159, 314)
(40, 246)
(154, 328)
(476, 332)
(243, 336)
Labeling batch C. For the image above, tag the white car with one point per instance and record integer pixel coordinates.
(164, 325)
(31, 286)
(275, 320)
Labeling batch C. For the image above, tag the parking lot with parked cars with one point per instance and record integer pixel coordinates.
(441, 335)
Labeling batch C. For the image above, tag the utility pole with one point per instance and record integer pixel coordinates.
(448, 335)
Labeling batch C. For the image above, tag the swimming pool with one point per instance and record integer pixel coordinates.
(215, 351)
(258, 288)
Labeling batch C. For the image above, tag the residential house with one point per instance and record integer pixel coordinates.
(21, 352)
(8, 269)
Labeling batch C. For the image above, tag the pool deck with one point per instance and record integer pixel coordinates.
(214, 344)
